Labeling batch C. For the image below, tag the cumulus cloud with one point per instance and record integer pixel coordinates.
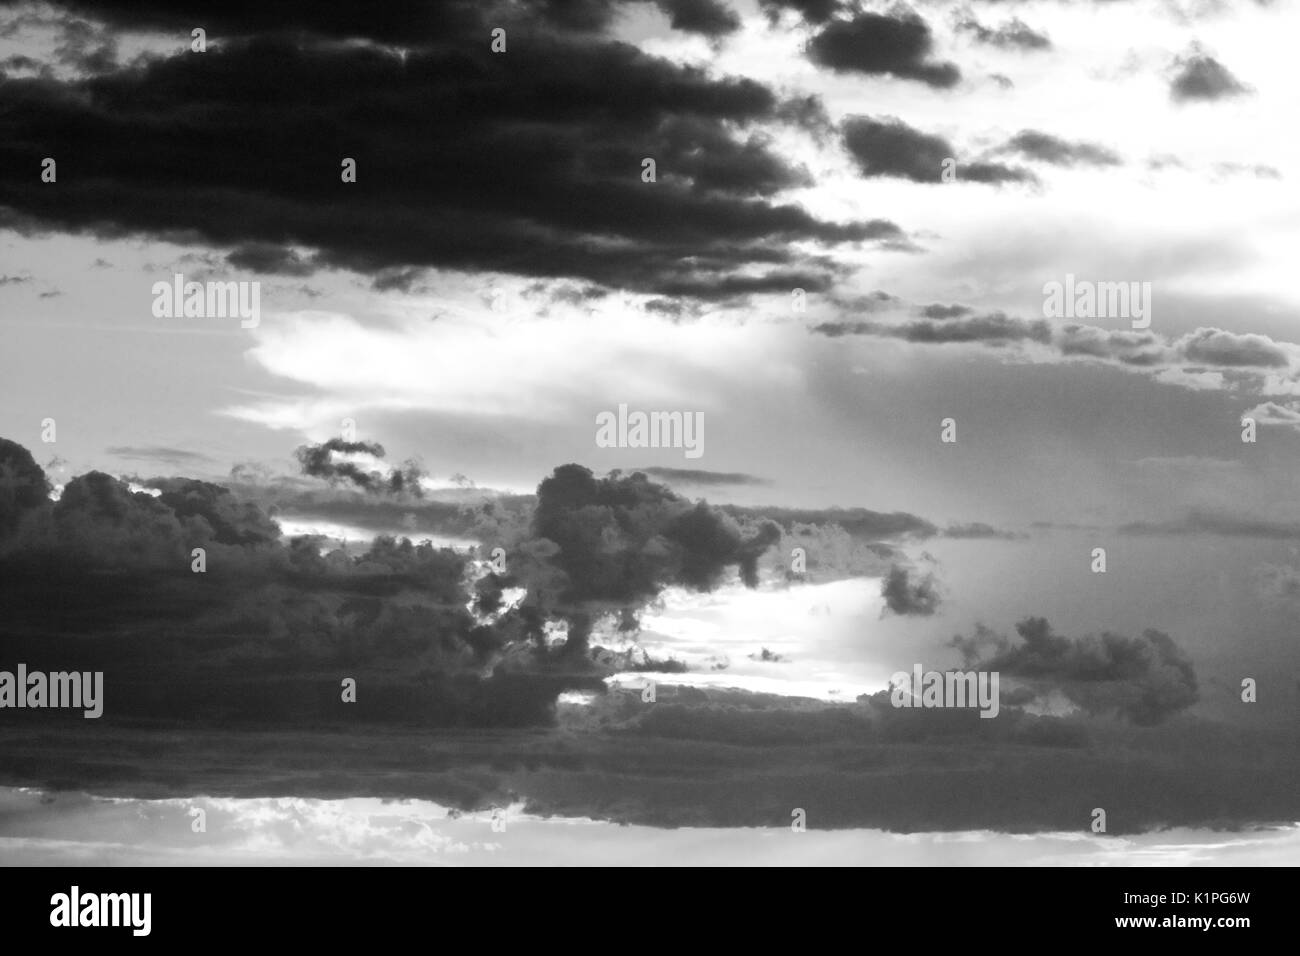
(600, 546)
(889, 147)
(1233, 349)
(23, 488)
(909, 594)
(319, 461)
(883, 45)
(581, 549)
(1142, 679)
(1200, 77)
(1046, 148)
(1273, 413)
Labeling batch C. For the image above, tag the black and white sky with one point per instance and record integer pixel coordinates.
(500, 273)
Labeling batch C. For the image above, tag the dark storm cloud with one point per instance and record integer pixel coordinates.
(928, 769)
(1144, 679)
(600, 546)
(232, 521)
(1200, 76)
(583, 549)
(412, 21)
(697, 476)
(23, 488)
(889, 147)
(881, 45)
(1013, 34)
(208, 657)
(708, 17)
(526, 162)
(996, 328)
(909, 593)
(178, 644)
(403, 23)
(1033, 144)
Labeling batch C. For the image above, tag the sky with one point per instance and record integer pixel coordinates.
(841, 260)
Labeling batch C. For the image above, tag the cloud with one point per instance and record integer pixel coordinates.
(910, 595)
(881, 45)
(712, 226)
(996, 328)
(1271, 413)
(857, 522)
(405, 21)
(319, 462)
(1013, 34)
(708, 17)
(939, 311)
(1200, 76)
(696, 476)
(231, 521)
(1044, 147)
(889, 147)
(1257, 170)
(582, 549)
(23, 488)
(1123, 346)
(609, 545)
(265, 257)
(1205, 358)
(1232, 349)
(1144, 679)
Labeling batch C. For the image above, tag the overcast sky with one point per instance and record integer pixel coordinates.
(500, 273)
